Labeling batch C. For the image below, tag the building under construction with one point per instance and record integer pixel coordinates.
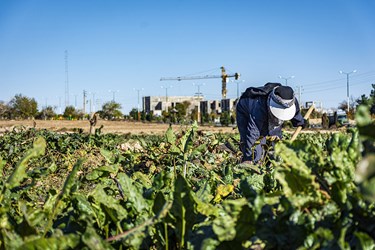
(158, 104)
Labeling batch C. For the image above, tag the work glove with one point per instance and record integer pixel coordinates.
(305, 123)
(272, 138)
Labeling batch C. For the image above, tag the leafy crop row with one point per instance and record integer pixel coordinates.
(186, 190)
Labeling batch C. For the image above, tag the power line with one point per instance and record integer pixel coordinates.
(331, 88)
(338, 86)
(365, 79)
(342, 78)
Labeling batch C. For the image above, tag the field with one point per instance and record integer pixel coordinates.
(119, 127)
(184, 188)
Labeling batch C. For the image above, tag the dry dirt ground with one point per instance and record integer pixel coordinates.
(120, 127)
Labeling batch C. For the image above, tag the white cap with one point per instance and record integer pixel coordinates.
(283, 109)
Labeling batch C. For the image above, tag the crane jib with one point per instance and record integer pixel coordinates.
(180, 78)
(223, 76)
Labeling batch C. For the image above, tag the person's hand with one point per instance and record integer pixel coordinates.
(248, 162)
(273, 138)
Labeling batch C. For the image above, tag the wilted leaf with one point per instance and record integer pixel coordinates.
(223, 191)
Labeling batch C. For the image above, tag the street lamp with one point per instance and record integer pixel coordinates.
(166, 91)
(198, 94)
(238, 89)
(138, 91)
(92, 102)
(347, 83)
(286, 79)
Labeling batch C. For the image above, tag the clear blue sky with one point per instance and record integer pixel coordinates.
(122, 45)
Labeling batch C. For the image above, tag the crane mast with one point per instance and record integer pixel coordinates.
(224, 78)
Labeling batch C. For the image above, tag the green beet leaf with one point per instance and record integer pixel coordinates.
(19, 173)
(70, 241)
(298, 182)
(93, 241)
(132, 193)
(364, 241)
(183, 209)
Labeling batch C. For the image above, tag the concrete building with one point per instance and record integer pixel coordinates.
(157, 104)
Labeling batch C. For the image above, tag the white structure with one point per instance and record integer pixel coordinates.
(157, 104)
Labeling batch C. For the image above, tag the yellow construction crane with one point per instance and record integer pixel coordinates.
(224, 78)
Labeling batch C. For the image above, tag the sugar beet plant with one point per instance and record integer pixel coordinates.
(186, 190)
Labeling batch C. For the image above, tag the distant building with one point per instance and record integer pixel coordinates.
(157, 104)
(228, 105)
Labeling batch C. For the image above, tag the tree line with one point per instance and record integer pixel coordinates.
(23, 107)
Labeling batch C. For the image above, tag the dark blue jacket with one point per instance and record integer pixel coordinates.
(252, 121)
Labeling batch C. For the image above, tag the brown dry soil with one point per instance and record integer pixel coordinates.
(119, 127)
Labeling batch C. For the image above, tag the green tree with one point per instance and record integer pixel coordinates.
(46, 113)
(194, 114)
(181, 110)
(4, 110)
(23, 107)
(71, 113)
(150, 116)
(368, 101)
(344, 106)
(165, 116)
(364, 100)
(143, 116)
(225, 118)
(206, 118)
(213, 116)
(110, 110)
(134, 114)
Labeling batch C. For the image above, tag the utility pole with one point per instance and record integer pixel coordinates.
(198, 94)
(138, 90)
(93, 102)
(166, 95)
(60, 103)
(299, 89)
(347, 84)
(113, 94)
(75, 101)
(84, 101)
(286, 79)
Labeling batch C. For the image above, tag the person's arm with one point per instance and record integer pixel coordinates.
(298, 120)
